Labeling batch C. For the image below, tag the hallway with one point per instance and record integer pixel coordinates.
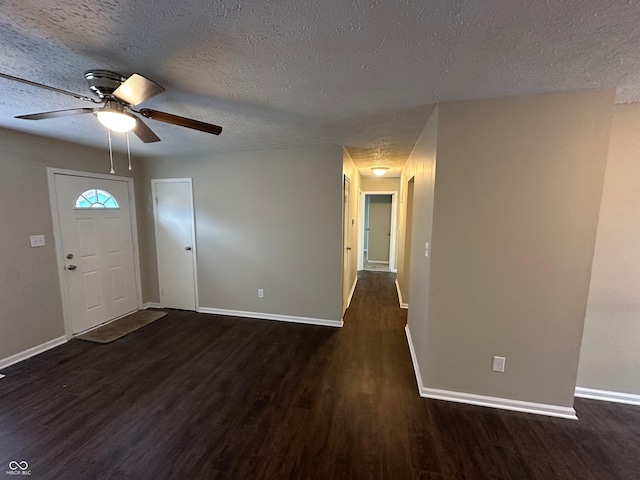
(209, 397)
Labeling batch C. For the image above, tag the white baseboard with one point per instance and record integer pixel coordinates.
(484, 400)
(272, 316)
(608, 396)
(378, 261)
(31, 352)
(151, 305)
(402, 304)
(353, 289)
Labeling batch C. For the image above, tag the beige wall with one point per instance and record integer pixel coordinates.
(349, 169)
(610, 356)
(421, 166)
(265, 219)
(31, 312)
(380, 185)
(517, 196)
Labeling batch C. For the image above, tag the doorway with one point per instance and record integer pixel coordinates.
(377, 225)
(175, 242)
(96, 244)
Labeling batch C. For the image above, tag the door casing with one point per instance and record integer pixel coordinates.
(57, 237)
(394, 227)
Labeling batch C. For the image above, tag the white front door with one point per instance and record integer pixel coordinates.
(175, 242)
(94, 217)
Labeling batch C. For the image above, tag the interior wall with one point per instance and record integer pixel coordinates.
(610, 355)
(264, 219)
(517, 197)
(379, 184)
(421, 166)
(31, 312)
(349, 169)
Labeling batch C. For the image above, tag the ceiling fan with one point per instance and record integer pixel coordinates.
(118, 95)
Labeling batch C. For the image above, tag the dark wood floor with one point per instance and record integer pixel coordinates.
(203, 397)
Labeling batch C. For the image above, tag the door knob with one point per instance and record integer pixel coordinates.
(70, 256)
(71, 267)
(188, 249)
(348, 248)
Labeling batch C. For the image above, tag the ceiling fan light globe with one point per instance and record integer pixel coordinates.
(116, 121)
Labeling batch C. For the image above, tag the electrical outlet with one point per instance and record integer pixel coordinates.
(497, 365)
(260, 293)
(37, 240)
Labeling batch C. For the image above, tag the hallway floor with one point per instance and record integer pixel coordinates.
(374, 266)
(199, 396)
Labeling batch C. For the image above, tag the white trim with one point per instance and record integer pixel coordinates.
(346, 239)
(353, 289)
(378, 261)
(57, 236)
(402, 304)
(31, 352)
(608, 396)
(194, 248)
(414, 360)
(361, 248)
(484, 400)
(393, 248)
(147, 305)
(273, 316)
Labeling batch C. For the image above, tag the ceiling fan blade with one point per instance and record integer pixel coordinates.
(47, 87)
(144, 133)
(56, 113)
(136, 89)
(181, 121)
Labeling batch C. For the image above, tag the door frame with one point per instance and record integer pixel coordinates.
(394, 227)
(194, 247)
(57, 237)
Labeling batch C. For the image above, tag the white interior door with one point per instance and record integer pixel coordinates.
(175, 243)
(346, 270)
(94, 216)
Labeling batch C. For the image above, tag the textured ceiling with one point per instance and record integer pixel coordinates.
(291, 73)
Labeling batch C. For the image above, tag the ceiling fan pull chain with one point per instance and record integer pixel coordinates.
(128, 151)
(112, 171)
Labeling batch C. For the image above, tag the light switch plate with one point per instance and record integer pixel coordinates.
(37, 240)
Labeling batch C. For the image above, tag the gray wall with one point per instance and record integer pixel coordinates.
(517, 196)
(610, 356)
(30, 302)
(264, 219)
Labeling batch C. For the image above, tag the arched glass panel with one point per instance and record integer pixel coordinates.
(96, 198)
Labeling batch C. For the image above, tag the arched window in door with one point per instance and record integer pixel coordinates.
(96, 198)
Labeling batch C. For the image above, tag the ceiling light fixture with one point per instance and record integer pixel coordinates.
(115, 118)
(379, 171)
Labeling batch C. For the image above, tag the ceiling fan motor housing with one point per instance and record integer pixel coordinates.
(103, 82)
